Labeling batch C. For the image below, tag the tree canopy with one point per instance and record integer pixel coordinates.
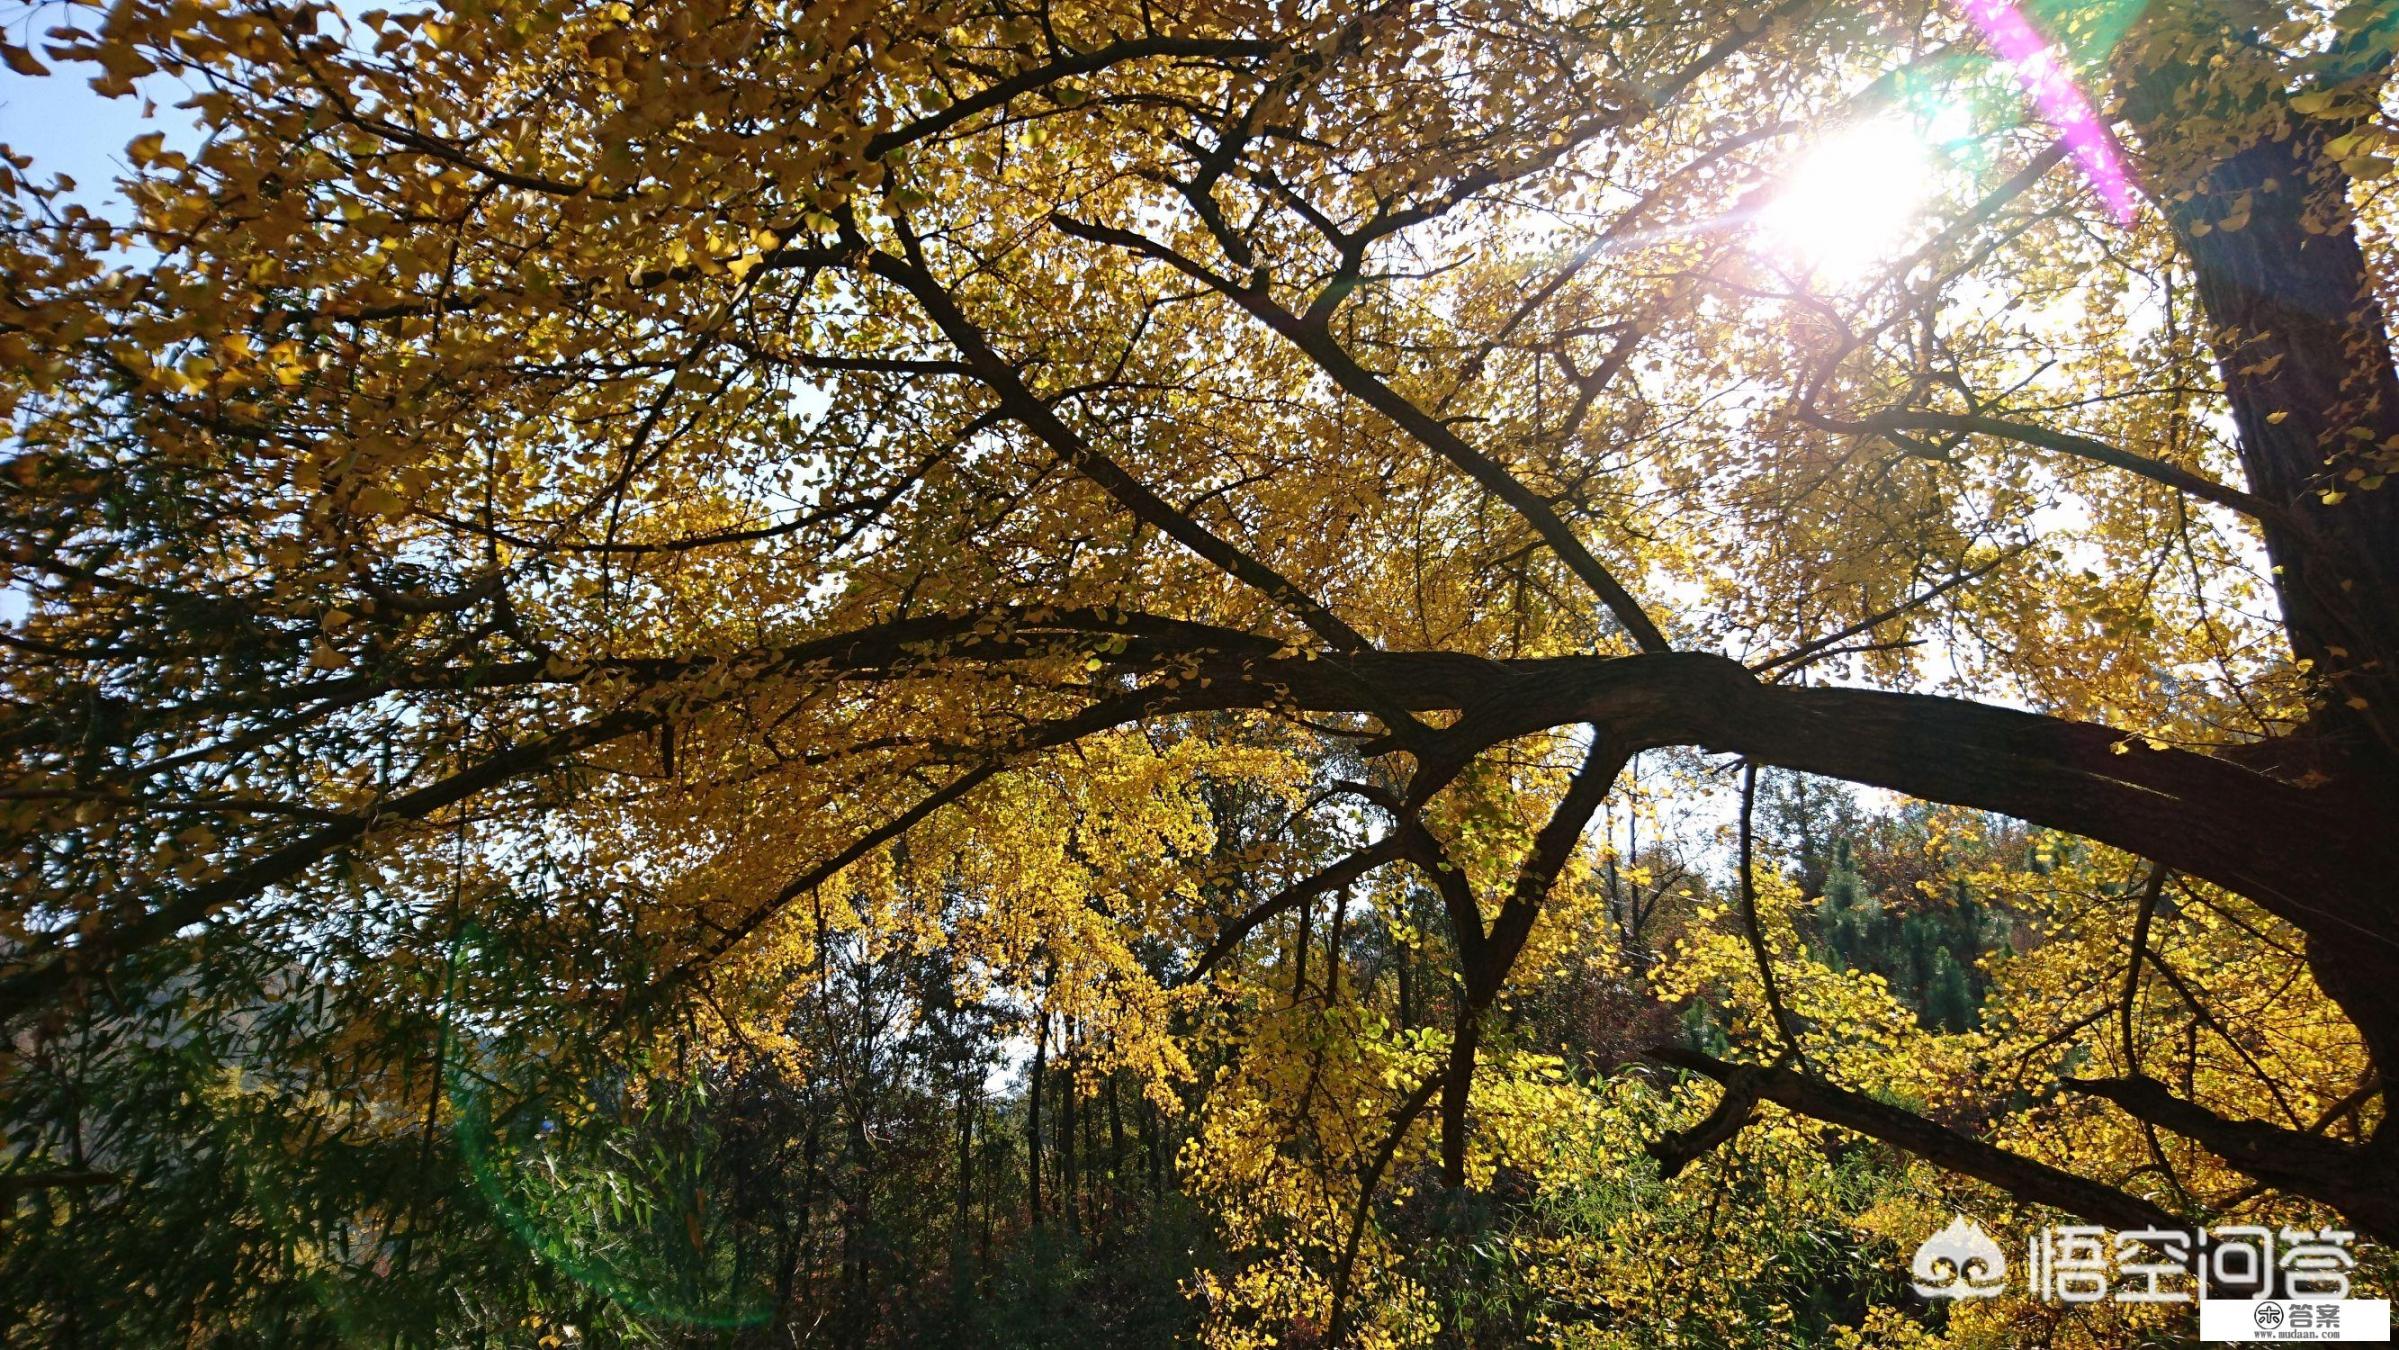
(591, 582)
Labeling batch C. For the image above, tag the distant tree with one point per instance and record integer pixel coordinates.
(1947, 1003)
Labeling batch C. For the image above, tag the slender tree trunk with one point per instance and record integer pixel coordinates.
(1092, 1200)
(858, 1220)
(1332, 948)
(1041, 1048)
(1070, 1179)
(1299, 951)
(803, 1227)
(1116, 1151)
(1149, 1150)
(969, 1097)
(1456, 1086)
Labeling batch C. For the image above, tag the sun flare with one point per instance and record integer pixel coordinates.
(1849, 202)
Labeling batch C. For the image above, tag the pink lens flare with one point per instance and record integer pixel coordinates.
(2057, 98)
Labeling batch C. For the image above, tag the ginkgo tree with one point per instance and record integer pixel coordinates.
(541, 529)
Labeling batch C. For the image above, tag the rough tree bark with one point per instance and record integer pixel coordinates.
(2261, 211)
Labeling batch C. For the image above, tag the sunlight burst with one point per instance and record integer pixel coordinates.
(1848, 203)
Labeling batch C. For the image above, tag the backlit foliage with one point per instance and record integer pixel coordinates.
(621, 617)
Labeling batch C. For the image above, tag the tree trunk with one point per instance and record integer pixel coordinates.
(1299, 951)
(1332, 948)
(1149, 1151)
(1070, 1179)
(1041, 1048)
(960, 1223)
(2300, 341)
(1456, 1086)
(2262, 212)
(1116, 1151)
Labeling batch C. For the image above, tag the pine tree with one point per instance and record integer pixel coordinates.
(1948, 1004)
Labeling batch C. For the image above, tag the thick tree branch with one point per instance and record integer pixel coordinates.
(2351, 1178)
(2024, 1178)
(1552, 849)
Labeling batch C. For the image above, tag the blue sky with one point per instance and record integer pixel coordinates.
(68, 128)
